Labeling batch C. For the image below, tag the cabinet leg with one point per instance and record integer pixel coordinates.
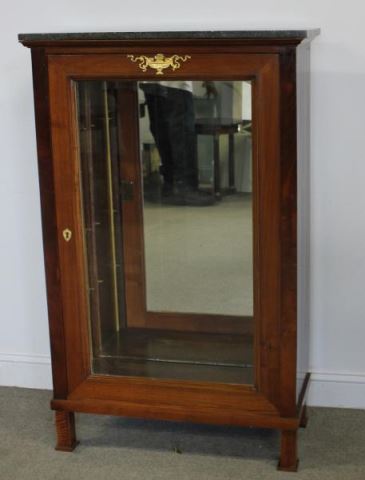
(288, 453)
(304, 417)
(65, 429)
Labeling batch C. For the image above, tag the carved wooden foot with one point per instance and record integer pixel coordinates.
(288, 454)
(65, 428)
(304, 417)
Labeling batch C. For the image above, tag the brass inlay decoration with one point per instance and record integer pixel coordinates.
(67, 234)
(159, 62)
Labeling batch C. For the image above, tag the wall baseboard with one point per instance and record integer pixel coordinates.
(327, 389)
(28, 371)
(342, 390)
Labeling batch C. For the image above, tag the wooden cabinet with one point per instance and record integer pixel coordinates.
(174, 175)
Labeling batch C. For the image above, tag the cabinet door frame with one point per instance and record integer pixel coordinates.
(70, 331)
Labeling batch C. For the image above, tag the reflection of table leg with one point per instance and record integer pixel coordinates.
(217, 174)
(231, 182)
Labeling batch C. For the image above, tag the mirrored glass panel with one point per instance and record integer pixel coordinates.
(196, 144)
(166, 169)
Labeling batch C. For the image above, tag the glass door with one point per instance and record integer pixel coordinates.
(167, 205)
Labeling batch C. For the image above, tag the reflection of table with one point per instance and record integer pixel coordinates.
(217, 127)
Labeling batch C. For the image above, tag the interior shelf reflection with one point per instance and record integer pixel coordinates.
(179, 355)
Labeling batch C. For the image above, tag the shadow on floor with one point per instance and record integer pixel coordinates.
(178, 437)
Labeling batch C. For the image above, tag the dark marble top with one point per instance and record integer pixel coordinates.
(213, 34)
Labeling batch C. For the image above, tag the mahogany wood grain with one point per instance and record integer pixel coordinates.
(272, 67)
(288, 451)
(49, 223)
(71, 266)
(174, 392)
(214, 416)
(266, 164)
(65, 429)
(224, 66)
(176, 400)
(264, 70)
(288, 233)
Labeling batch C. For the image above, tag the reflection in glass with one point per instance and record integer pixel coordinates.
(170, 286)
(197, 259)
(102, 213)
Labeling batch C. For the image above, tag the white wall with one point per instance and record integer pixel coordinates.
(338, 173)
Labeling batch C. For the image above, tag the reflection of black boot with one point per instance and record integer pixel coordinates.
(197, 198)
(167, 189)
(152, 187)
(183, 195)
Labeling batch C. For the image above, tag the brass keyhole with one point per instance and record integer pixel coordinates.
(67, 234)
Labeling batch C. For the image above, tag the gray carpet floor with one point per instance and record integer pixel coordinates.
(331, 447)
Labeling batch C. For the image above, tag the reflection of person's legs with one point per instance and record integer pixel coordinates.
(172, 124)
(183, 145)
(160, 132)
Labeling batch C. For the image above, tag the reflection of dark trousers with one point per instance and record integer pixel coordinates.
(172, 125)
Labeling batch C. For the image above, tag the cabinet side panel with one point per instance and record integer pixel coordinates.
(303, 104)
(49, 226)
(288, 231)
